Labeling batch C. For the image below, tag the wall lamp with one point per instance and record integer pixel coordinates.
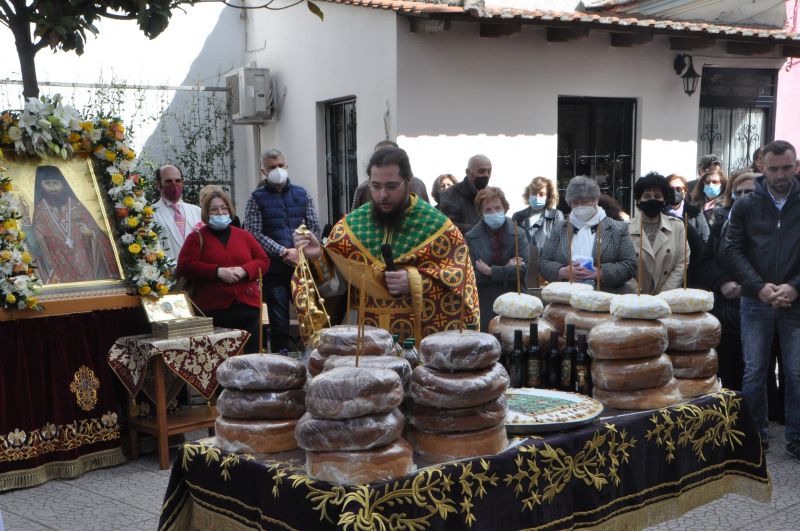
(683, 67)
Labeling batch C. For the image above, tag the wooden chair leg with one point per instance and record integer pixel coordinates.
(161, 414)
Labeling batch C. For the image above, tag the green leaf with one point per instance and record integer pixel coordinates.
(314, 8)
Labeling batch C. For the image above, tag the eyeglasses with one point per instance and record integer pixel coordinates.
(389, 187)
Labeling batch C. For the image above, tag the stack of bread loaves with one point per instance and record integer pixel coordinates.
(629, 367)
(262, 399)
(693, 334)
(341, 340)
(516, 311)
(558, 296)
(352, 430)
(457, 406)
(589, 309)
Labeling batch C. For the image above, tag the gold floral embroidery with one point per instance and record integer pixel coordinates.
(543, 472)
(699, 426)
(84, 386)
(19, 445)
(213, 455)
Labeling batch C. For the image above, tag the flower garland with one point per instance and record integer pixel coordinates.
(47, 127)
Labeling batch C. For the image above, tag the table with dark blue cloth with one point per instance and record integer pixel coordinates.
(622, 471)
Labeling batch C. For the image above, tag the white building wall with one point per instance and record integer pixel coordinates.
(351, 53)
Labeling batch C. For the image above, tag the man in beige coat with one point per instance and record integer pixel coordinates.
(665, 255)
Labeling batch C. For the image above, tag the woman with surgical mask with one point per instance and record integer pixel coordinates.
(492, 248)
(663, 240)
(223, 264)
(541, 214)
(708, 195)
(617, 262)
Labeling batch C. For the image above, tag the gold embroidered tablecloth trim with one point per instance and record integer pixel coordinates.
(20, 479)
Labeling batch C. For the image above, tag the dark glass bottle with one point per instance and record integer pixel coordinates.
(533, 359)
(410, 352)
(582, 381)
(568, 359)
(517, 362)
(398, 348)
(553, 362)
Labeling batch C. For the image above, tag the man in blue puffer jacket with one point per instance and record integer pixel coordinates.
(275, 209)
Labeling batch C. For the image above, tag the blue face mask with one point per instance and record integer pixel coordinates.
(537, 202)
(219, 221)
(711, 190)
(495, 221)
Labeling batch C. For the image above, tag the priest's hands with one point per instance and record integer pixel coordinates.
(309, 244)
(397, 282)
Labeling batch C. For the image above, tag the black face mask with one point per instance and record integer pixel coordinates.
(481, 182)
(678, 197)
(651, 208)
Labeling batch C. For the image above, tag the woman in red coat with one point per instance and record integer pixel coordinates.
(223, 264)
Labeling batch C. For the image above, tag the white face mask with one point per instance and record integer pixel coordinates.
(278, 176)
(584, 213)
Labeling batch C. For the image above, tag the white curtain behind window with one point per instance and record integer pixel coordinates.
(730, 133)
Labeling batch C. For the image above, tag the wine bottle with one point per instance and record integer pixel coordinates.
(568, 359)
(410, 352)
(582, 382)
(517, 362)
(533, 359)
(553, 362)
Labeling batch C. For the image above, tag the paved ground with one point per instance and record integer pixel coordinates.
(129, 497)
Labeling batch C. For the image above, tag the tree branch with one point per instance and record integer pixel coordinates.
(39, 45)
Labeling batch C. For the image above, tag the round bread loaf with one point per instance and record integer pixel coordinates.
(591, 301)
(434, 419)
(555, 312)
(385, 463)
(393, 363)
(340, 340)
(633, 306)
(255, 436)
(584, 320)
(632, 374)
(692, 331)
(316, 362)
(235, 404)
(348, 392)
(517, 305)
(261, 372)
(654, 398)
(360, 433)
(699, 364)
(694, 387)
(688, 300)
(561, 292)
(459, 389)
(453, 350)
(447, 446)
(505, 326)
(627, 338)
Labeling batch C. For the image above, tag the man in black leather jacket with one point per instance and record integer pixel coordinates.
(764, 252)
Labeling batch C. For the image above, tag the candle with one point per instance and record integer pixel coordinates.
(569, 250)
(685, 248)
(598, 241)
(641, 237)
(516, 254)
(463, 296)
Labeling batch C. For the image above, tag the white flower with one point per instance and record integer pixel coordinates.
(21, 282)
(111, 170)
(127, 239)
(150, 272)
(95, 135)
(14, 133)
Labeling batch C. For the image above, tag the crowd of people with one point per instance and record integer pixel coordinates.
(733, 234)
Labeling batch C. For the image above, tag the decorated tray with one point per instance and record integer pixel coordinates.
(539, 410)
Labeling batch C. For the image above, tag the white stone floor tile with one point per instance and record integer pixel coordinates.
(14, 522)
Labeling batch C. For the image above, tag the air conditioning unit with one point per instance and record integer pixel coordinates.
(252, 95)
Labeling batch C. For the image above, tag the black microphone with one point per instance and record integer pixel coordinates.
(388, 257)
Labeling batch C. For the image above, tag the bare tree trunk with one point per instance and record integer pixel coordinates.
(26, 51)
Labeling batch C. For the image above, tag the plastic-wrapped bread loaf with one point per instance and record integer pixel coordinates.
(261, 372)
(459, 351)
(459, 389)
(517, 306)
(561, 292)
(698, 364)
(348, 392)
(316, 361)
(584, 321)
(341, 340)
(554, 313)
(490, 441)
(688, 300)
(393, 363)
(255, 436)
(653, 398)
(435, 419)
(591, 301)
(360, 433)
(627, 338)
(693, 331)
(639, 307)
(385, 463)
(632, 375)
(235, 404)
(694, 387)
(505, 326)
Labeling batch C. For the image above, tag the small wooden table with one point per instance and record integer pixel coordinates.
(193, 359)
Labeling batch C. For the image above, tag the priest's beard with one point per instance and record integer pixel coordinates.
(392, 220)
(56, 199)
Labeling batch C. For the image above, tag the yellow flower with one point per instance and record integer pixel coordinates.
(133, 221)
(130, 154)
(10, 298)
(8, 186)
(111, 156)
(144, 290)
(26, 257)
(73, 137)
(151, 234)
(104, 122)
(21, 235)
(162, 289)
(135, 248)
(160, 254)
(128, 201)
(5, 256)
(117, 179)
(87, 126)
(10, 224)
(148, 211)
(31, 302)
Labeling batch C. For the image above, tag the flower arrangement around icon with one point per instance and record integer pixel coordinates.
(47, 128)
